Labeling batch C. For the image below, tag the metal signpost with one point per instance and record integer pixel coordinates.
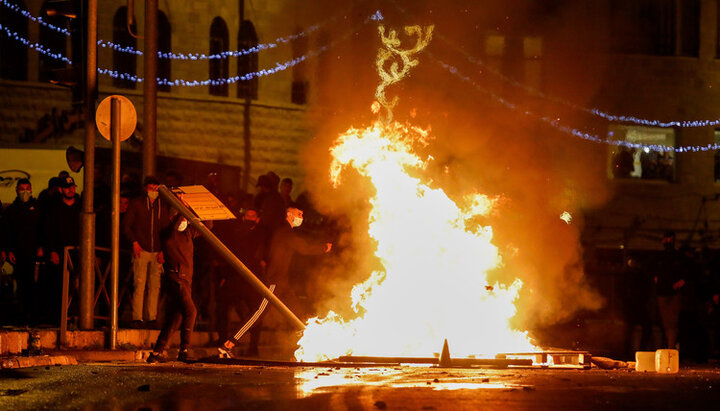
(116, 120)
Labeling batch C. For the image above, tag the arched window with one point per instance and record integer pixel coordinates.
(13, 54)
(54, 41)
(247, 38)
(299, 88)
(124, 62)
(219, 68)
(164, 46)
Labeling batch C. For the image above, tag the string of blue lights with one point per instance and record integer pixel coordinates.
(593, 111)
(27, 14)
(279, 66)
(36, 46)
(180, 56)
(554, 122)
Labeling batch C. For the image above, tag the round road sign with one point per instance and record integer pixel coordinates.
(128, 117)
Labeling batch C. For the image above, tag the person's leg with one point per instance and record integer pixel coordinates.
(139, 278)
(172, 322)
(154, 277)
(188, 313)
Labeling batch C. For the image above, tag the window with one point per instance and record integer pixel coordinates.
(299, 88)
(164, 46)
(644, 26)
(643, 163)
(689, 28)
(248, 63)
(124, 62)
(55, 42)
(219, 68)
(13, 64)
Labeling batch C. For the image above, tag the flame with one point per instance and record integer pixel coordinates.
(434, 283)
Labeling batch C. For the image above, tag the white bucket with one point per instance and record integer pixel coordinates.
(645, 361)
(667, 361)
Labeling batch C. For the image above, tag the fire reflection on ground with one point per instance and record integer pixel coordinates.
(312, 380)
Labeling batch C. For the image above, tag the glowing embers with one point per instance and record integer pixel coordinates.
(435, 259)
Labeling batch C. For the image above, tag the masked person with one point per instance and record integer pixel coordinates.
(181, 311)
(145, 219)
(20, 242)
(62, 229)
(235, 293)
(670, 280)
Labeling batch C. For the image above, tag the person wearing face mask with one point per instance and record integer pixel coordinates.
(235, 293)
(145, 219)
(670, 274)
(62, 229)
(180, 312)
(20, 243)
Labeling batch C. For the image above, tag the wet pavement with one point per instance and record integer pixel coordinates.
(137, 386)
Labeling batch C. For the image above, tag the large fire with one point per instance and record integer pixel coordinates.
(435, 261)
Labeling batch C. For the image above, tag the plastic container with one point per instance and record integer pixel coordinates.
(645, 361)
(667, 361)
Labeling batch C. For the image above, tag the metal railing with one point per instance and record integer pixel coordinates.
(102, 269)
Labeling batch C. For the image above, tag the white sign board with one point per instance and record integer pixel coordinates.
(203, 203)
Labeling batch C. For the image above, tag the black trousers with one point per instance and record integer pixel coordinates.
(179, 312)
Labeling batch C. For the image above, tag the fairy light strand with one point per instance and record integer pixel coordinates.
(592, 111)
(36, 46)
(16, 8)
(555, 123)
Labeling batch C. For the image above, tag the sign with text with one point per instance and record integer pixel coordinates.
(203, 203)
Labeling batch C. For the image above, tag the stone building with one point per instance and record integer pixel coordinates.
(243, 128)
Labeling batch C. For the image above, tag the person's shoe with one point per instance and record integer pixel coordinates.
(155, 357)
(184, 355)
(151, 325)
(224, 353)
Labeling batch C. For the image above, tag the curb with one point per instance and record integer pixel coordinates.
(35, 361)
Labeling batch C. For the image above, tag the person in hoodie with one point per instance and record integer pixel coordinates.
(20, 228)
(180, 309)
(145, 219)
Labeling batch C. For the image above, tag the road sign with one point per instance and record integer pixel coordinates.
(128, 117)
(203, 203)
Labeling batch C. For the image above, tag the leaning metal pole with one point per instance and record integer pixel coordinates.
(115, 248)
(87, 239)
(229, 256)
(150, 88)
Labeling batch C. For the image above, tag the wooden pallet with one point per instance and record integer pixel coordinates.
(553, 359)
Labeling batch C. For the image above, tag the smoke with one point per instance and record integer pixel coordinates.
(535, 171)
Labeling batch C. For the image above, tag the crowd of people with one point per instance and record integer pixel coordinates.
(165, 256)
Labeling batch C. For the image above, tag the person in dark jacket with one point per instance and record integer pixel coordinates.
(235, 293)
(669, 280)
(145, 219)
(181, 311)
(270, 203)
(62, 229)
(20, 242)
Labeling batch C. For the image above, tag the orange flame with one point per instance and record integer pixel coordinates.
(434, 283)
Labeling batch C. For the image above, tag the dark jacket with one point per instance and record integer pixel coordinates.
(178, 251)
(670, 268)
(62, 224)
(284, 243)
(272, 210)
(144, 221)
(20, 228)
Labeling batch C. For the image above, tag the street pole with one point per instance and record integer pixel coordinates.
(229, 257)
(115, 122)
(150, 88)
(87, 239)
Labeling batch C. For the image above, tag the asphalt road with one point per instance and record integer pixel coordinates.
(135, 386)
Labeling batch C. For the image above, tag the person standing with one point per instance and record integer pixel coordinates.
(669, 280)
(20, 225)
(62, 229)
(181, 311)
(145, 219)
